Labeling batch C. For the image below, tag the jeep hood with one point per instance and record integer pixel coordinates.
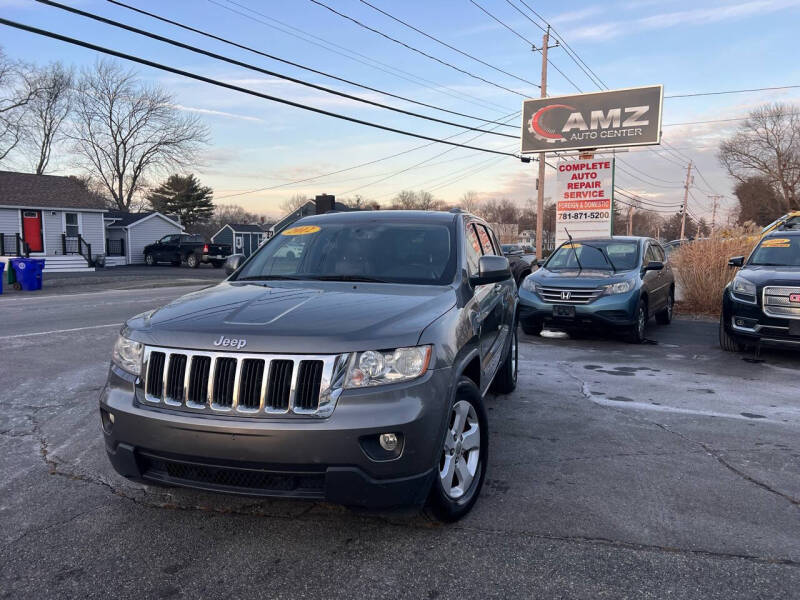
(296, 317)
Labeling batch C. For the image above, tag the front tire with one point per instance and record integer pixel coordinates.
(726, 341)
(464, 453)
(506, 379)
(149, 260)
(636, 333)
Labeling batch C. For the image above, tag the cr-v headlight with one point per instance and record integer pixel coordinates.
(529, 283)
(620, 287)
(376, 367)
(127, 355)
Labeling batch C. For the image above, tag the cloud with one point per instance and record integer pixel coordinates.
(699, 16)
(577, 15)
(217, 113)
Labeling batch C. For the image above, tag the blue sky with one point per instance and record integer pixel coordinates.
(688, 46)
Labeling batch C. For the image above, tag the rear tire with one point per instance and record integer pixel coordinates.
(636, 333)
(192, 261)
(506, 379)
(664, 316)
(463, 456)
(726, 341)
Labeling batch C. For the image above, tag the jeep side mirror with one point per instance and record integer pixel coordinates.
(736, 261)
(491, 269)
(233, 262)
(654, 265)
(540, 262)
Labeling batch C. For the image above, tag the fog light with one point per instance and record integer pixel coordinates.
(388, 442)
(107, 420)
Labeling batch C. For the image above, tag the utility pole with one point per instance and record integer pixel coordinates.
(540, 182)
(685, 199)
(630, 219)
(715, 200)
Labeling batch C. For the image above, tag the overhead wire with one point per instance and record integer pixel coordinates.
(293, 63)
(417, 50)
(218, 83)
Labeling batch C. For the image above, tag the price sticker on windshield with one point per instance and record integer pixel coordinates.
(777, 243)
(302, 230)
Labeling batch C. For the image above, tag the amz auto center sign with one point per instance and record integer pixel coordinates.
(584, 199)
(629, 117)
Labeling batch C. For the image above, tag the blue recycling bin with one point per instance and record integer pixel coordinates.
(28, 272)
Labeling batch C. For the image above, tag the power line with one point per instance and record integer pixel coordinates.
(624, 170)
(215, 82)
(251, 67)
(414, 49)
(358, 166)
(533, 46)
(629, 165)
(577, 59)
(445, 44)
(764, 89)
(512, 30)
(353, 55)
(295, 64)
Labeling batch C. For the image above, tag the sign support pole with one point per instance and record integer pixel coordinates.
(542, 165)
(685, 199)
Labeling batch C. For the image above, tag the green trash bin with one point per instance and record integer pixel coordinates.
(9, 275)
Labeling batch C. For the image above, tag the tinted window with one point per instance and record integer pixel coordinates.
(485, 240)
(778, 252)
(595, 254)
(473, 250)
(396, 252)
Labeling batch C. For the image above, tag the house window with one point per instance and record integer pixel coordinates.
(71, 224)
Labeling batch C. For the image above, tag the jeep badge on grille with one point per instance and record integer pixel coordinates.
(231, 342)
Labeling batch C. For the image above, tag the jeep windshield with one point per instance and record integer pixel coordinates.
(777, 252)
(610, 255)
(393, 252)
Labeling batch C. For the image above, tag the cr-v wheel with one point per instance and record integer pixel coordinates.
(461, 467)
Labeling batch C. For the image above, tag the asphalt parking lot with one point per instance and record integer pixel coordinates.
(669, 469)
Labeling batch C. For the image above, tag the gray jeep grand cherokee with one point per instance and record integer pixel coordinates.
(345, 360)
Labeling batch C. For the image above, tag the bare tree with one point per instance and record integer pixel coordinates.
(124, 131)
(17, 89)
(758, 202)
(224, 214)
(767, 144)
(500, 211)
(293, 203)
(47, 112)
(410, 200)
(470, 201)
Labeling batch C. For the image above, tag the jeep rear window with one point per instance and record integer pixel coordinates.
(396, 252)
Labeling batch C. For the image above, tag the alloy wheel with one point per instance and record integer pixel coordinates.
(460, 460)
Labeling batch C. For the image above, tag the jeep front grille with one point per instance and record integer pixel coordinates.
(262, 385)
(777, 302)
(558, 295)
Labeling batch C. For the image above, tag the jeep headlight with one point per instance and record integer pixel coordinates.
(127, 355)
(378, 367)
(744, 289)
(620, 287)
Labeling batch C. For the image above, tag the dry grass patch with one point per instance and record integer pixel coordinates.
(702, 268)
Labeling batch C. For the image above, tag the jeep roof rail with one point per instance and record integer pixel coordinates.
(456, 210)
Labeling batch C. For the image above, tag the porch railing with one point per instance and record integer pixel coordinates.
(115, 247)
(11, 244)
(76, 245)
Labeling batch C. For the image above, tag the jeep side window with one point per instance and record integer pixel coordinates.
(473, 249)
(486, 240)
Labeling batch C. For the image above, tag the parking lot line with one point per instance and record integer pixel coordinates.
(23, 335)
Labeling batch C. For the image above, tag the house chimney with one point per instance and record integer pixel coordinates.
(324, 203)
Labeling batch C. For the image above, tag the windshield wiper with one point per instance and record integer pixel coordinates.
(604, 253)
(360, 278)
(575, 251)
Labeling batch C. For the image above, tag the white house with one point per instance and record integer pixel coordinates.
(51, 217)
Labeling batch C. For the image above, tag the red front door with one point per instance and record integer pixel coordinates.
(32, 229)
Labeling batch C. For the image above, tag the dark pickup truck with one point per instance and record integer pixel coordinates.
(184, 247)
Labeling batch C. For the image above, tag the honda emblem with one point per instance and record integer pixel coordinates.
(565, 295)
